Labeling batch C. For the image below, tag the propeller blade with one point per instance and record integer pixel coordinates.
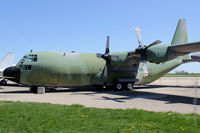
(114, 57)
(99, 55)
(144, 65)
(105, 71)
(145, 69)
(154, 43)
(138, 33)
(107, 57)
(107, 46)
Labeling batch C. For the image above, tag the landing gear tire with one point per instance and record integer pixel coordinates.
(129, 86)
(3, 82)
(119, 86)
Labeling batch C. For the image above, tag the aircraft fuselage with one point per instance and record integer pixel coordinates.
(81, 69)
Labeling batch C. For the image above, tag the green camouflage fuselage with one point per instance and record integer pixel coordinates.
(81, 69)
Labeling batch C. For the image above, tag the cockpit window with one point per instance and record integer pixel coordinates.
(28, 67)
(30, 58)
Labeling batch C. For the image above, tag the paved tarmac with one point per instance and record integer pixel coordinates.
(166, 94)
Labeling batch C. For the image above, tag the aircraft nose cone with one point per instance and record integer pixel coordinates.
(12, 73)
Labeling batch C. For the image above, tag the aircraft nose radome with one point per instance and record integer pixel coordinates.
(12, 73)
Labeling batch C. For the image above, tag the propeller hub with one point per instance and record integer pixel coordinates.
(140, 50)
(106, 57)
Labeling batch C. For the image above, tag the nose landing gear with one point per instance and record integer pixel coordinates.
(3, 82)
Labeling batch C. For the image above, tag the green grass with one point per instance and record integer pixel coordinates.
(22, 117)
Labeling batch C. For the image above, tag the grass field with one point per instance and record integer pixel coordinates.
(18, 117)
(179, 75)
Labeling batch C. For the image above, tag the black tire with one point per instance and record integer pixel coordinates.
(33, 89)
(3, 82)
(119, 86)
(129, 86)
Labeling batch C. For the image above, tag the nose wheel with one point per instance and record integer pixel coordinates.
(3, 82)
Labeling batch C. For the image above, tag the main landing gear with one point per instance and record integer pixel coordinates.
(123, 86)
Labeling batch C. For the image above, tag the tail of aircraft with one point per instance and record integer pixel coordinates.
(6, 61)
(180, 35)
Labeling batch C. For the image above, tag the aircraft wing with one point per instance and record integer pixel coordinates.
(185, 48)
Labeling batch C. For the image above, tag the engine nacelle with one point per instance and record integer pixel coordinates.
(157, 53)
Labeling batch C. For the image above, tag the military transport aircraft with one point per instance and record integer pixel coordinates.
(7, 61)
(143, 65)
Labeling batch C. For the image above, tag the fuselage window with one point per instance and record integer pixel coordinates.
(30, 58)
(33, 58)
(27, 67)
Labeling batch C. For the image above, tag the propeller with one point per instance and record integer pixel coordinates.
(107, 57)
(143, 49)
(138, 33)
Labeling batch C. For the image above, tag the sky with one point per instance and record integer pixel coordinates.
(82, 25)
